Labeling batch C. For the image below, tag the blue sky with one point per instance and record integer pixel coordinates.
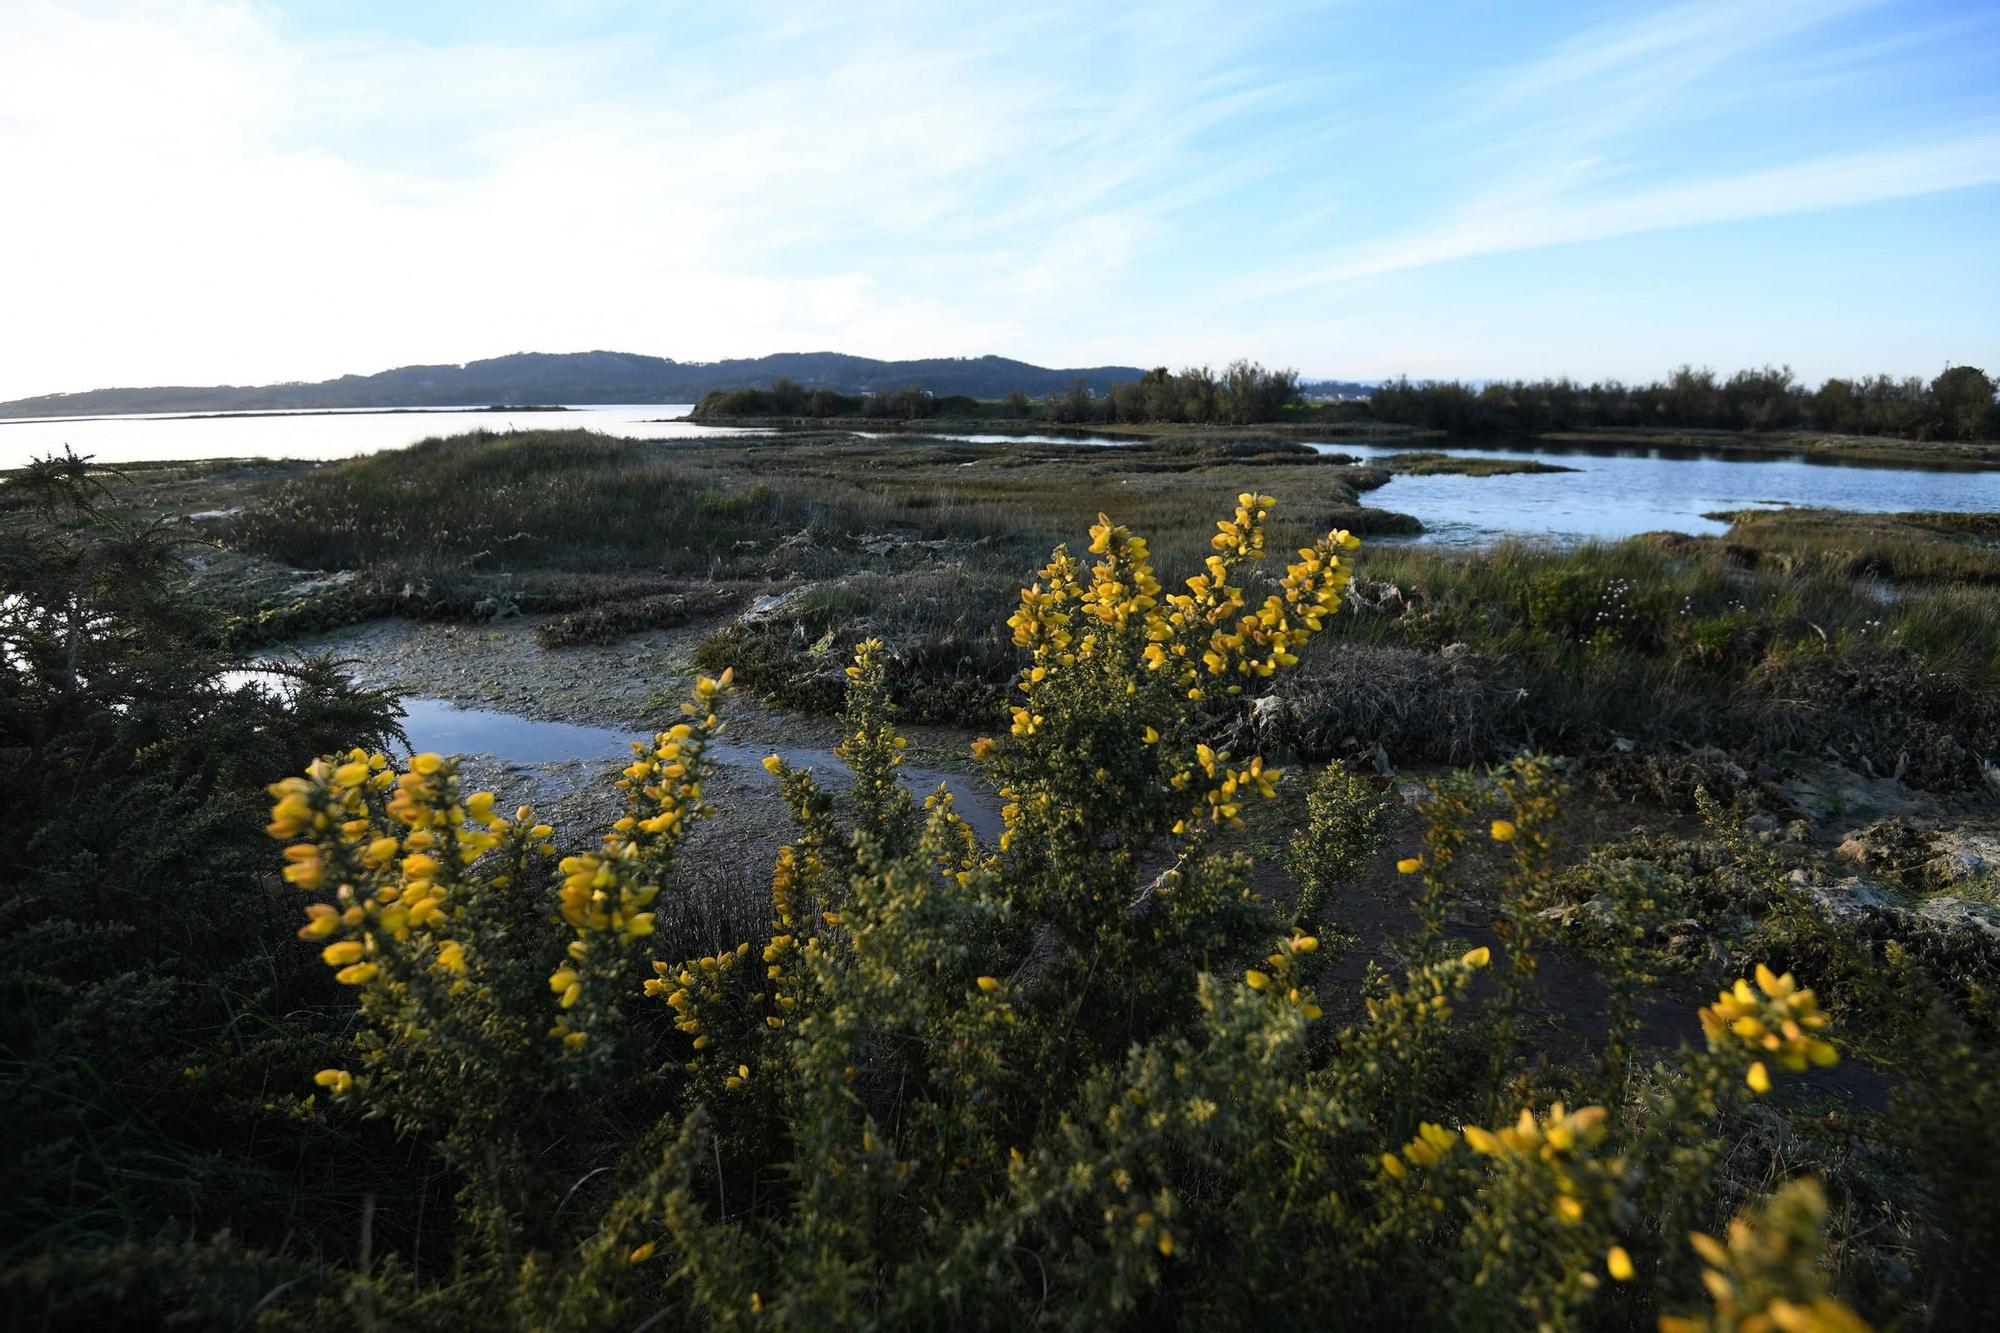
(227, 191)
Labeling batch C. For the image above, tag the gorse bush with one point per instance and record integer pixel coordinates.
(1347, 821)
(150, 998)
(1078, 1077)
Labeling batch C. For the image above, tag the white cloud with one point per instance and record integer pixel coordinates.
(211, 200)
(200, 191)
(1544, 213)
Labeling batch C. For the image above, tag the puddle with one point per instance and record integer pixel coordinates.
(434, 724)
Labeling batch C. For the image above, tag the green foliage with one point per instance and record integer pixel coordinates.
(1347, 822)
(1244, 394)
(1957, 405)
(148, 996)
(1082, 1076)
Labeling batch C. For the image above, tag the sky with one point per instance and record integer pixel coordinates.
(244, 191)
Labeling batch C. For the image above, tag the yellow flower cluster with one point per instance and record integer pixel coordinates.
(1427, 1149)
(329, 807)
(1112, 632)
(608, 895)
(1281, 982)
(1201, 631)
(1766, 1279)
(1041, 625)
(700, 990)
(1222, 799)
(385, 886)
(1777, 1020)
(873, 751)
(1555, 1136)
(1557, 1149)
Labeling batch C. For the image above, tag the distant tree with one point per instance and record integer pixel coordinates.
(1073, 404)
(1160, 397)
(1199, 395)
(1690, 398)
(1962, 404)
(787, 398)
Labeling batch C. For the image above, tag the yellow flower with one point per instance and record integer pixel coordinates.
(1409, 865)
(640, 1254)
(336, 1081)
(1759, 1078)
(1479, 957)
(984, 747)
(773, 764)
(989, 984)
(321, 921)
(1619, 1263)
(1503, 830)
(1257, 980)
(426, 763)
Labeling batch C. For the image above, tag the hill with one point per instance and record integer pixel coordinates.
(584, 377)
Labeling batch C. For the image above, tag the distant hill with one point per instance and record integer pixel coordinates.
(585, 377)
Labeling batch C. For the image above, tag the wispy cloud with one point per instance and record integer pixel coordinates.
(220, 189)
(1541, 214)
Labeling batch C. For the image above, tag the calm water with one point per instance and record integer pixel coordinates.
(433, 724)
(146, 439)
(1619, 493)
(1614, 491)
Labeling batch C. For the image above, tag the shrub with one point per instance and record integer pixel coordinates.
(1347, 821)
(1079, 1077)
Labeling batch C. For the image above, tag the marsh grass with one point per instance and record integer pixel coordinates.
(1652, 643)
(1928, 548)
(1778, 637)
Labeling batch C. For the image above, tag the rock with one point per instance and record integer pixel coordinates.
(1267, 718)
(1847, 901)
(340, 578)
(495, 609)
(894, 543)
(775, 605)
(1832, 791)
(1959, 918)
(1962, 857)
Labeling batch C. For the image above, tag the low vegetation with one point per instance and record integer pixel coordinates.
(1776, 637)
(1958, 405)
(440, 1062)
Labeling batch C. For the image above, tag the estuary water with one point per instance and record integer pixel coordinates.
(1613, 490)
(1620, 491)
(318, 435)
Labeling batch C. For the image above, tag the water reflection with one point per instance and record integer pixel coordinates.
(317, 435)
(434, 724)
(1620, 491)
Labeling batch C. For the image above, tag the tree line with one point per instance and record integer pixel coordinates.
(1957, 405)
(1244, 394)
(787, 399)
